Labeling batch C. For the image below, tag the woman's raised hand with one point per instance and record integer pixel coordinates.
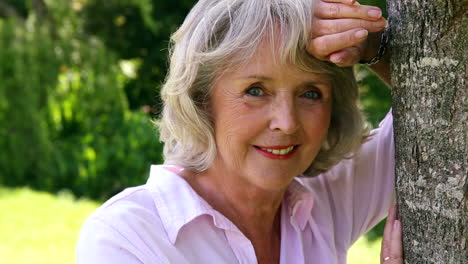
(392, 248)
(340, 29)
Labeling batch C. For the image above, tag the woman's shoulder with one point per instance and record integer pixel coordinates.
(142, 224)
(125, 214)
(134, 205)
(136, 201)
(128, 204)
(123, 227)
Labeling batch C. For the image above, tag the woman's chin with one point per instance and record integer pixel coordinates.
(272, 178)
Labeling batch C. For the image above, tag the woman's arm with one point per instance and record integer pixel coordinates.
(341, 45)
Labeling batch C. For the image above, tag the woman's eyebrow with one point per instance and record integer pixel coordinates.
(311, 81)
(318, 81)
(258, 77)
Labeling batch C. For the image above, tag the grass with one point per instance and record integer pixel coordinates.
(37, 227)
(40, 228)
(364, 252)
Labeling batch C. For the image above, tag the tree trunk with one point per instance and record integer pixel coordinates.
(429, 53)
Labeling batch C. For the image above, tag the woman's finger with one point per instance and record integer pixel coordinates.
(396, 246)
(346, 57)
(395, 253)
(390, 219)
(322, 47)
(387, 235)
(322, 27)
(392, 249)
(338, 10)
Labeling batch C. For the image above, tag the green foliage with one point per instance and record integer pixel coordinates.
(115, 154)
(65, 121)
(380, 3)
(27, 76)
(21, 6)
(137, 29)
(375, 95)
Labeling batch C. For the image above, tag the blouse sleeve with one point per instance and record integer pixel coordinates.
(100, 243)
(373, 190)
(357, 193)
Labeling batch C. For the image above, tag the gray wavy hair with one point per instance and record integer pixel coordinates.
(222, 34)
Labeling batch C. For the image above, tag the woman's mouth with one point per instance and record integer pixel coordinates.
(277, 152)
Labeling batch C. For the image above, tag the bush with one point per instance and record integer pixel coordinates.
(27, 71)
(65, 121)
(116, 154)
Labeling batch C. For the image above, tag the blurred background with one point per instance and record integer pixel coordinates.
(79, 88)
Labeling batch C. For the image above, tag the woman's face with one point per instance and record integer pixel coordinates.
(270, 121)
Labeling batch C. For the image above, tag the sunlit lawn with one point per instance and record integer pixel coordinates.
(364, 252)
(37, 227)
(40, 228)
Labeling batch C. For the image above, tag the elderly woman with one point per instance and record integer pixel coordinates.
(266, 155)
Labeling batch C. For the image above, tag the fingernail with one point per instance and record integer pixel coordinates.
(361, 34)
(374, 13)
(396, 224)
(383, 23)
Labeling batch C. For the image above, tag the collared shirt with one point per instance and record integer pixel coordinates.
(166, 221)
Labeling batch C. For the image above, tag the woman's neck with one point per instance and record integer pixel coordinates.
(255, 211)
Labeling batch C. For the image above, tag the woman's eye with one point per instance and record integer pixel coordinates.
(255, 91)
(313, 94)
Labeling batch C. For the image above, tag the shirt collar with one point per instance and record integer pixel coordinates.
(178, 204)
(299, 201)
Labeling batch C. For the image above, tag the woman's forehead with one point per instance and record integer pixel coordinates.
(267, 65)
(271, 52)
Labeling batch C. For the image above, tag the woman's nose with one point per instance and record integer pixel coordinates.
(284, 117)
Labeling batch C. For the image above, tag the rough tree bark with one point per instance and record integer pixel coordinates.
(429, 53)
